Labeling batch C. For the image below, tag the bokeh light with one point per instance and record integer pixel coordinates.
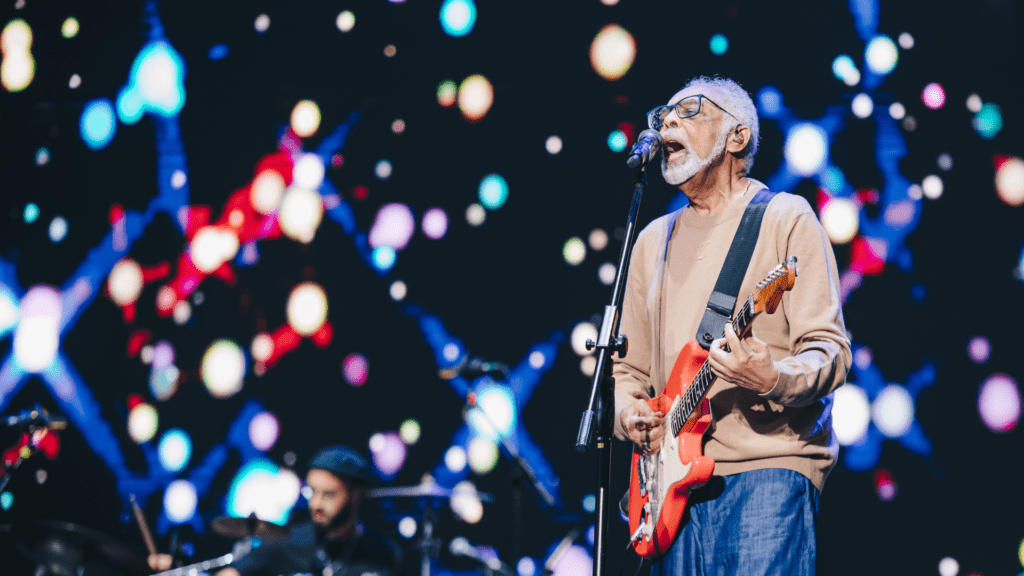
(307, 308)
(851, 414)
(398, 290)
(906, 41)
(435, 223)
(388, 453)
(383, 169)
(175, 450)
(475, 97)
(881, 55)
(840, 219)
(974, 103)
(1010, 181)
(409, 431)
(18, 67)
(617, 141)
(580, 334)
(885, 486)
(999, 403)
(393, 226)
(143, 422)
(944, 162)
(574, 251)
(458, 17)
(180, 501)
(612, 52)
(988, 121)
(267, 191)
(598, 239)
(844, 68)
(38, 333)
(475, 214)
(893, 411)
(979, 349)
(346, 21)
(446, 93)
(384, 258)
(212, 246)
(223, 368)
(125, 282)
(263, 488)
(308, 172)
(897, 111)
(862, 105)
(932, 187)
(493, 191)
(526, 565)
(465, 502)
(806, 149)
(300, 214)
(553, 145)
(606, 273)
(6, 501)
(356, 368)
(263, 431)
(262, 23)
(407, 527)
(70, 27)
(163, 383)
(58, 229)
(75, 81)
(305, 118)
(574, 561)
(455, 459)
(718, 44)
(98, 123)
(483, 455)
(31, 213)
(933, 96)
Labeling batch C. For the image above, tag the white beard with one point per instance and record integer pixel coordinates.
(681, 172)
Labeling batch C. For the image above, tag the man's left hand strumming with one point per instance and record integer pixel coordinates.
(744, 362)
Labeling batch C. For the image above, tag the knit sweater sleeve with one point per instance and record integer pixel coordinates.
(817, 333)
(632, 374)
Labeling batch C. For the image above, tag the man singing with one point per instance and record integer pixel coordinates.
(771, 436)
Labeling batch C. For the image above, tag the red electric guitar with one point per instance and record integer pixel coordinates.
(660, 484)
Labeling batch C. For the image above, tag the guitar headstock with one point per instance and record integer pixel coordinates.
(769, 291)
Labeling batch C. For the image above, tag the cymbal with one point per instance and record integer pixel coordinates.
(424, 490)
(63, 534)
(239, 528)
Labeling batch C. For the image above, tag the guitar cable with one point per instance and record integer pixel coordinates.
(622, 560)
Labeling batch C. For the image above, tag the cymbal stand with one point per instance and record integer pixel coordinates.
(429, 544)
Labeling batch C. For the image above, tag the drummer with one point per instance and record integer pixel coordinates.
(333, 542)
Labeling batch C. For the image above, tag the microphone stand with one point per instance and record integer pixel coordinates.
(602, 393)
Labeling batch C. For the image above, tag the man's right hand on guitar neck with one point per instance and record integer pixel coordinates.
(643, 425)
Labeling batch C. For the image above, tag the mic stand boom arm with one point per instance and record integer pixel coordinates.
(602, 393)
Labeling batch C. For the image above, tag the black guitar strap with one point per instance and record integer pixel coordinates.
(723, 297)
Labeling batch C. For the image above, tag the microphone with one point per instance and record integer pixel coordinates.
(647, 145)
(36, 417)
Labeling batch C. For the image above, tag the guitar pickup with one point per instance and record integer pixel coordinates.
(641, 475)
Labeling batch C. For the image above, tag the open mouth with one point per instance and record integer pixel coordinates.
(673, 149)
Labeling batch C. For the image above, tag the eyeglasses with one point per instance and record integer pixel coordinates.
(685, 108)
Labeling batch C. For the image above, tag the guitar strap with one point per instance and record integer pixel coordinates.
(727, 288)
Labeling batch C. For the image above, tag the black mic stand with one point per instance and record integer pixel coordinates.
(602, 394)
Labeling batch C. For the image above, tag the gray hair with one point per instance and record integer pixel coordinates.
(732, 97)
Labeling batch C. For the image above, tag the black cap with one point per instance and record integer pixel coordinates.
(343, 462)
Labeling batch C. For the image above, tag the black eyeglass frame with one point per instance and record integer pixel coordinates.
(657, 112)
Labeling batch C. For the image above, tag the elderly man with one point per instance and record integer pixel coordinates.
(771, 436)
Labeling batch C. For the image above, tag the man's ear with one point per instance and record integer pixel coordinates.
(738, 140)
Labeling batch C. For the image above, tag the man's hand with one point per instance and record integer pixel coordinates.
(747, 363)
(159, 562)
(643, 425)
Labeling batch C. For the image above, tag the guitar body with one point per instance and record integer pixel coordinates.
(660, 484)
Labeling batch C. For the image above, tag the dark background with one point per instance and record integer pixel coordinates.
(504, 286)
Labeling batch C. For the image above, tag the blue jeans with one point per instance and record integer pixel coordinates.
(755, 523)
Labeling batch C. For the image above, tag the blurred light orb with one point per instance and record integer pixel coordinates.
(475, 97)
(932, 187)
(409, 431)
(483, 455)
(180, 501)
(398, 290)
(475, 215)
(979, 349)
(98, 123)
(37, 336)
(862, 105)
(300, 214)
(974, 103)
(606, 273)
(617, 141)
(178, 179)
(18, 67)
(769, 100)
(223, 368)
(945, 162)
(612, 52)
(495, 411)
(906, 41)
(526, 565)
(881, 55)
(999, 403)
(307, 308)
(493, 191)
(75, 81)
(574, 251)
(574, 561)
(553, 145)
(897, 111)
(446, 93)
(580, 334)
(266, 191)
(435, 223)
(308, 172)
(988, 121)
(948, 566)
(264, 430)
(598, 239)
(262, 23)
(451, 352)
(851, 414)
(384, 258)
(407, 527)
(933, 96)
(356, 368)
(345, 21)
(162, 355)
(393, 226)
(587, 365)
(42, 156)
(846, 70)
(398, 126)
(914, 192)
(840, 217)
(893, 411)
(383, 169)
(537, 360)
(806, 149)
(305, 118)
(458, 17)
(1010, 181)
(885, 487)
(589, 503)
(6, 501)
(31, 213)
(211, 247)
(175, 450)
(181, 313)
(125, 282)
(388, 453)
(263, 488)
(718, 44)
(390, 50)
(58, 229)
(465, 502)
(455, 459)
(69, 29)
(142, 423)
(163, 382)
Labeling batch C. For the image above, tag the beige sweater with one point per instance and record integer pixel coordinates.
(789, 426)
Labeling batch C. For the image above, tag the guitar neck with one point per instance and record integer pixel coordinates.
(702, 381)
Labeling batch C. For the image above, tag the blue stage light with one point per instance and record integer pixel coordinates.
(97, 125)
(458, 17)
